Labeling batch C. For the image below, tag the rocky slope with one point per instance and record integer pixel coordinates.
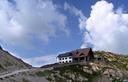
(10, 63)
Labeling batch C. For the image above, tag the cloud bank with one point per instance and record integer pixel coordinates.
(108, 28)
(21, 21)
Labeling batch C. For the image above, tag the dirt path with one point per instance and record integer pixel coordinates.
(14, 72)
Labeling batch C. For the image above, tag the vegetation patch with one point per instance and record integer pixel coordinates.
(77, 71)
(25, 80)
(44, 73)
(116, 80)
(1, 67)
(49, 79)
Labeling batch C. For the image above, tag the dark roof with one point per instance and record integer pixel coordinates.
(65, 54)
(76, 53)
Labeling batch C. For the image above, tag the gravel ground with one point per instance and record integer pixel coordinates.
(24, 77)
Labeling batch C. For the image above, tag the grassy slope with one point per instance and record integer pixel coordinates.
(114, 62)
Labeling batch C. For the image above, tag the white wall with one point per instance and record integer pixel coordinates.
(64, 59)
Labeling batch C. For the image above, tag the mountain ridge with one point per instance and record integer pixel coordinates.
(9, 62)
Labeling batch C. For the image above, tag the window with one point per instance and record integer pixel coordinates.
(62, 58)
(65, 58)
(66, 61)
(81, 58)
(70, 61)
(70, 57)
(77, 52)
(60, 62)
(99, 59)
(59, 58)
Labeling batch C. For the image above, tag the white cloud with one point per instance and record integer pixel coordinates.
(42, 60)
(21, 20)
(78, 13)
(108, 28)
(39, 60)
(82, 23)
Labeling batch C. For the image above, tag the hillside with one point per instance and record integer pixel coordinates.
(111, 68)
(10, 63)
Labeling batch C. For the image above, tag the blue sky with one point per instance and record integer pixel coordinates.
(38, 30)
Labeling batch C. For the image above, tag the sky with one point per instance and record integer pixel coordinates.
(38, 30)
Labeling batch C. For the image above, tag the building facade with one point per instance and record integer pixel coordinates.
(65, 59)
(79, 55)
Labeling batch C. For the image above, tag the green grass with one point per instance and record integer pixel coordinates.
(77, 70)
(116, 80)
(7, 63)
(43, 73)
(25, 80)
(49, 79)
(12, 80)
(58, 79)
(1, 67)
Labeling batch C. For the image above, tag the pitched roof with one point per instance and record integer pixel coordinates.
(76, 53)
(82, 52)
